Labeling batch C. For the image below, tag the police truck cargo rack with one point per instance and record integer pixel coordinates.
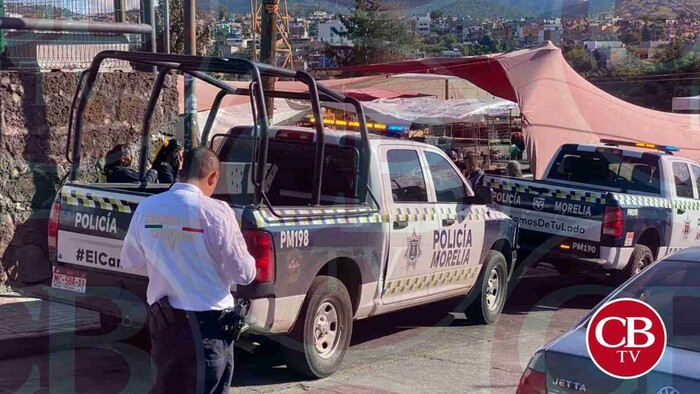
(342, 225)
(616, 207)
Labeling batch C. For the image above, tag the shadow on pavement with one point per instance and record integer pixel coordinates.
(540, 289)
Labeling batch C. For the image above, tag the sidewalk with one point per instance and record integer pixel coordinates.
(31, 325)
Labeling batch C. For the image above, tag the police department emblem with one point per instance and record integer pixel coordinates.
(686, 229)
(413, 251)
(538, 204)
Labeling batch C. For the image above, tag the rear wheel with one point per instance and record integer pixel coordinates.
(321, 335)
(489, 303)
(641, 258)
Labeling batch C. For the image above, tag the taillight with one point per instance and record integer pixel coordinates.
(534, 379)
(532, 382)
(53, 229)
(261, 247)
(612, 222)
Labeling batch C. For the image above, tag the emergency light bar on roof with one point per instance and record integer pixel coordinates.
(643, 145)
(370, 125)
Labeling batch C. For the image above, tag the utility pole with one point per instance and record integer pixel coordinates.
(191, 131)
(166, 26)
(149, 16)
(254, 27)
(3, 42)
(119, 11)
(268, 47)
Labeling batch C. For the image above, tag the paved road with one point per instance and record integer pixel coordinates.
(423, 350)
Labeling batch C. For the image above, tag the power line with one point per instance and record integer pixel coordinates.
(650, 80)
(644, 77)
(685, 7)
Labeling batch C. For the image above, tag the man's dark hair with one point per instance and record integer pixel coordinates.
(198, 163)
(471, 160)
(115, 157)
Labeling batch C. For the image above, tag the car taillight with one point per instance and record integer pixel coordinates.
(612, 222)
(534, 379)
(53, 229)
(261, 247)
(532, 382)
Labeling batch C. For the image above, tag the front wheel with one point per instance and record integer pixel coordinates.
(321, 335)
(493, 289)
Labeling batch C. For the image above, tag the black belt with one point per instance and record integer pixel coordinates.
(212, 324)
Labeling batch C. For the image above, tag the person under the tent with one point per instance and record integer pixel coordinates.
(474, 172)
(454, 156)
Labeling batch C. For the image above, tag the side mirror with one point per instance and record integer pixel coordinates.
(482, 196)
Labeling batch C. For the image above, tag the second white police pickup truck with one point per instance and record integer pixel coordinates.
(617, 206)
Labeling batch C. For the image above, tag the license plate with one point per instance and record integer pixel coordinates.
(69, 280)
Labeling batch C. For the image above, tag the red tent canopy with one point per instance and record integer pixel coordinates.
(485, 72)
(557, 104)
(369, 94)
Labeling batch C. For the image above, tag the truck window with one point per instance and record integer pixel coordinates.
(288, 179)
(607, 167)
(696, 176)
(681, 177)
(407, 180)
(449, 187)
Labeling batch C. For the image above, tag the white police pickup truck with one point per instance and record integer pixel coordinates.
(617, 206)
(343, 225)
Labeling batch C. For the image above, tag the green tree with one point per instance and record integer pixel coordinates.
(436, 14)
(579, 59)
(223, 13)
(489, 45)
(377, 35)
(631, 38)
(177, 28)
(673, 52)
(449, 42)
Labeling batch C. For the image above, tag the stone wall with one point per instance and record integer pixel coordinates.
(34, 112)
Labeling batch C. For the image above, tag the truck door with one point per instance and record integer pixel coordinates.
(405, 200)
(686, 227)
(458, 234)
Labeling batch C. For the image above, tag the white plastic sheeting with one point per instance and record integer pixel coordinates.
(424, 110)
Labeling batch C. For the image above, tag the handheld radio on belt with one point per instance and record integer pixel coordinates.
(238, 324)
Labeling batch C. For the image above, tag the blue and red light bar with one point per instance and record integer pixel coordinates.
(643, 145)
(371, 126)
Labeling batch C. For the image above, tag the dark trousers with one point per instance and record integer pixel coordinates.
(192, 356)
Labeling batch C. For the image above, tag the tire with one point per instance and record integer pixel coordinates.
(312, 349)
(487, 306)
(640, 259)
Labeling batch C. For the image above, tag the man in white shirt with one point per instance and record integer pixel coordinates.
(191, 248)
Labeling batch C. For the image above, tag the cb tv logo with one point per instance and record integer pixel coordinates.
(626, 338)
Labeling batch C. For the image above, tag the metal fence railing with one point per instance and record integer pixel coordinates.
(67, 34)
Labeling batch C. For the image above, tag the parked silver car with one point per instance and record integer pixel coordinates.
(672, 287)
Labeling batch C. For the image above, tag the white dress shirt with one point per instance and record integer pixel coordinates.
(191, 248)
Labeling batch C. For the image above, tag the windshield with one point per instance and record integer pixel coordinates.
(607, 167)
(673, 289)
